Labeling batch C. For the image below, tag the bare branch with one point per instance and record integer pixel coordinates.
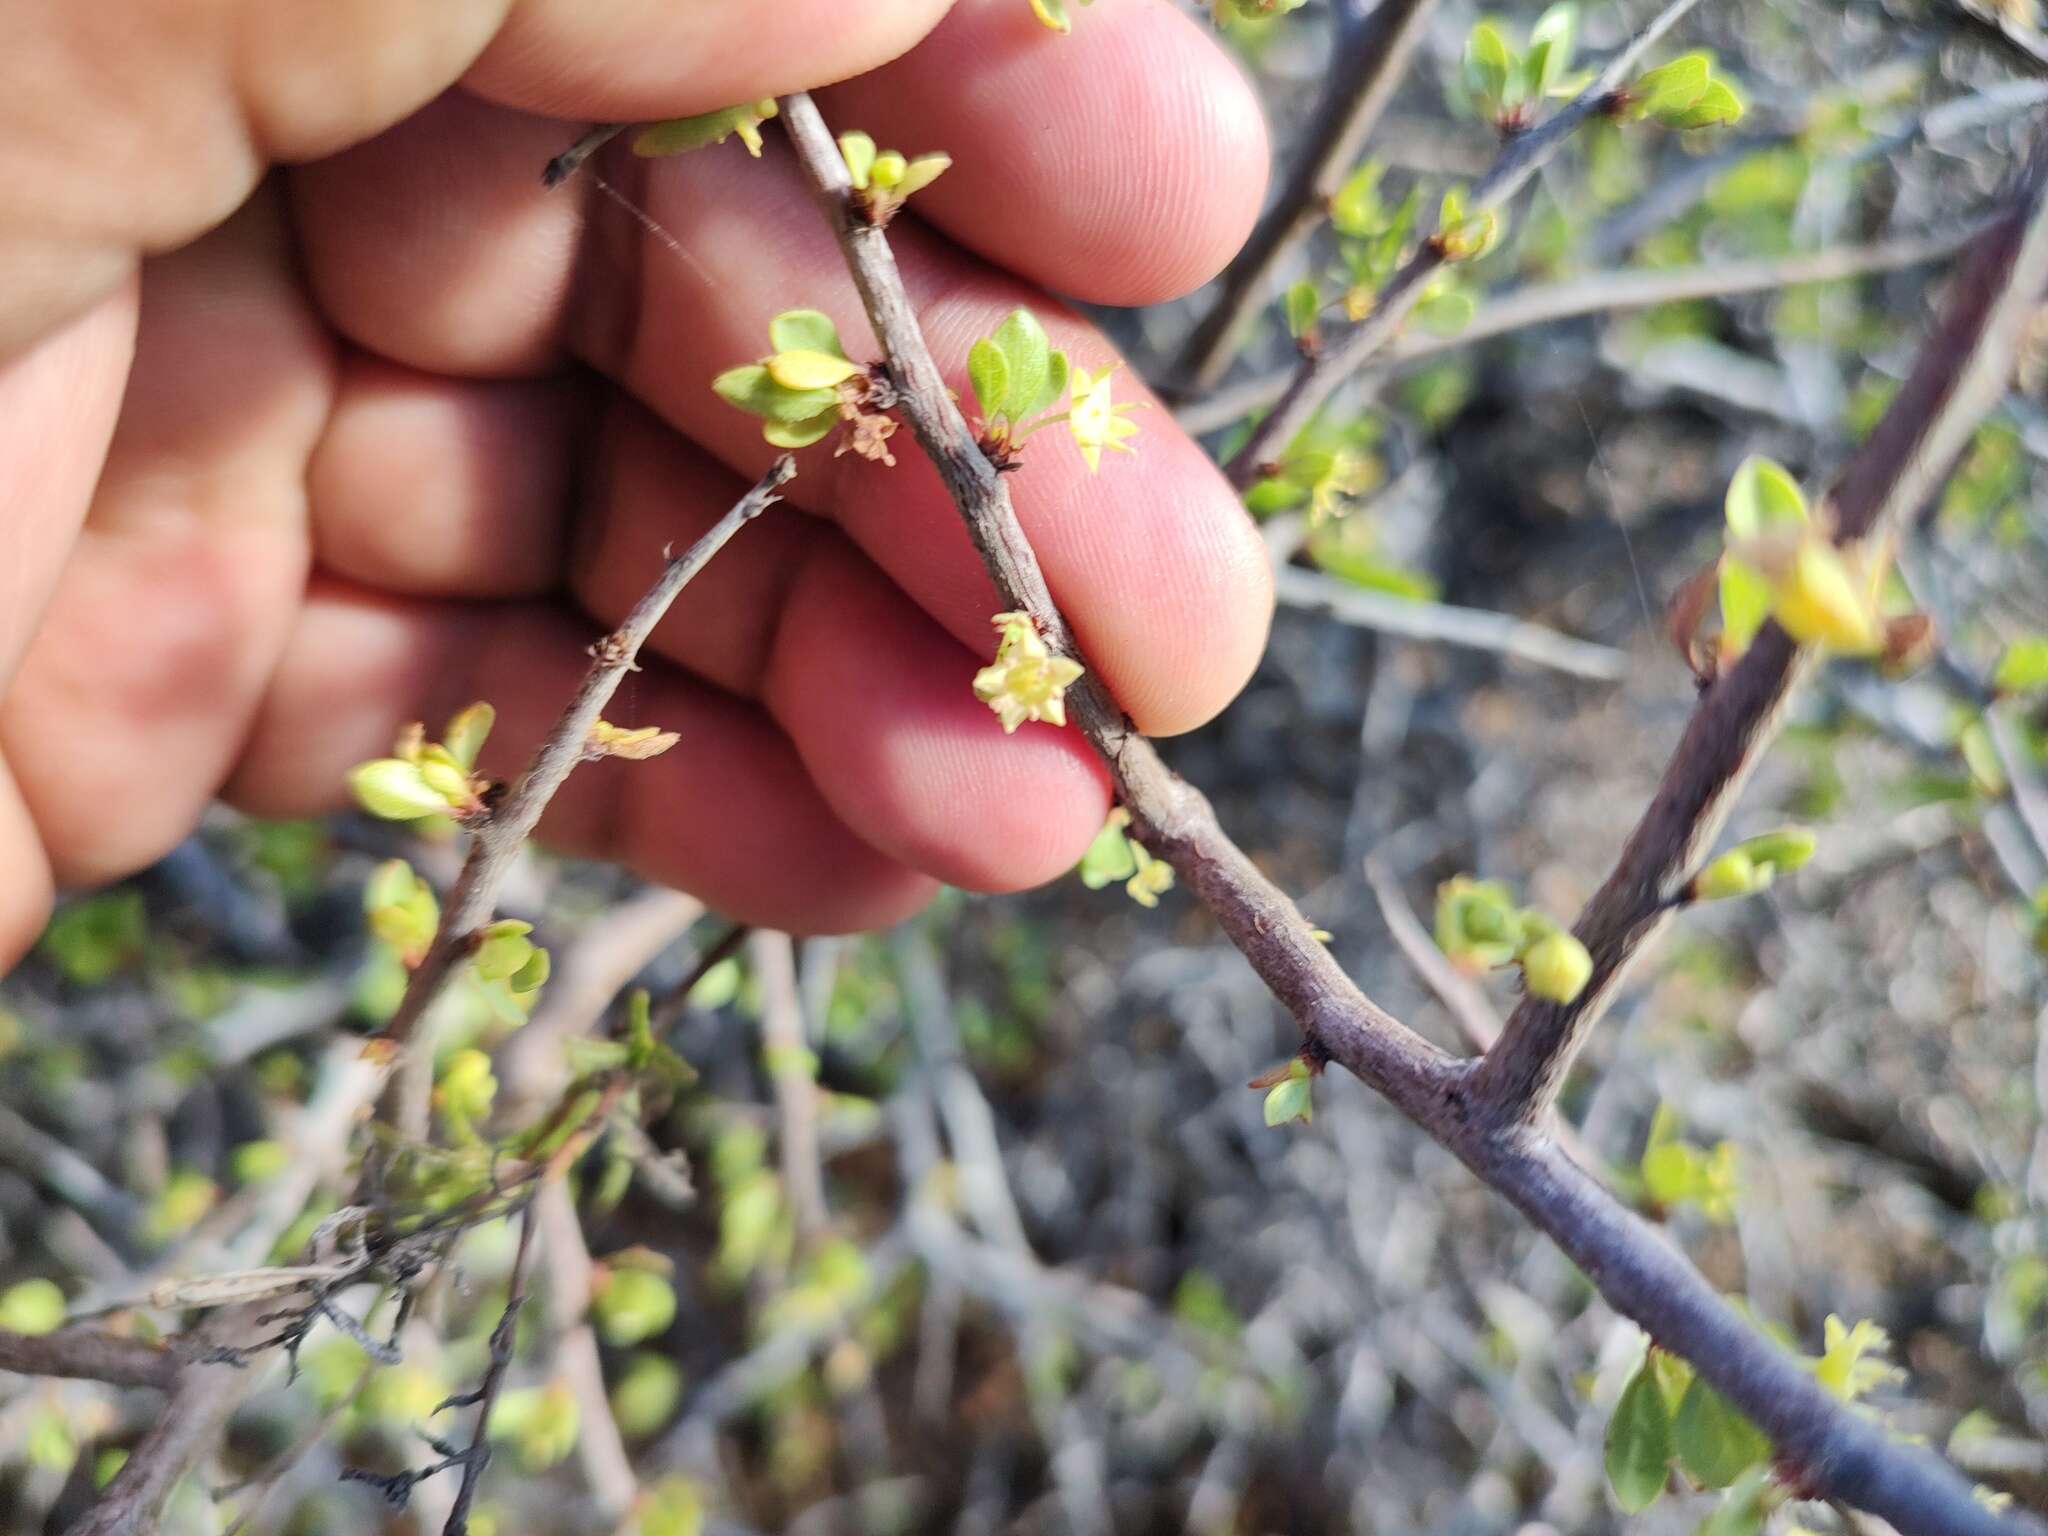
(1594, 293)
(1473, 628)
(1170, 816)
(500, 838)
(89, 1356)
(1962, 372)
(611, 952)
(198, 1408)
(796, 1089)
(1459, 994)
(1342, 353)
(1823, 1443)
(600, 1449)
(1366, 68)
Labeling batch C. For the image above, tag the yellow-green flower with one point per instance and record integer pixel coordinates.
(1097, 421)
(1025, 681)
(1854, 1361)
(1153, 879)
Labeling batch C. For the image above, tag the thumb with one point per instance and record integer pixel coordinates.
(127, 130)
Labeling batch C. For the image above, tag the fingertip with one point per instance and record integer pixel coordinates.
(880, 704)
(1124, 163)
(635, 60)
(29, 892)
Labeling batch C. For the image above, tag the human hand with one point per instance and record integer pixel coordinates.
(398, 428)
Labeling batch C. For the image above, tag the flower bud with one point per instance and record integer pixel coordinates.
(394, 789)
(1557, 967)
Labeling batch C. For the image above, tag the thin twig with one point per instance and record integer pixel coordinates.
(1830, 1448)
(1595, 293)
(1364, 72)
(1343, 352)
(1962, 372)
(86, 1355)
(609, 953)
(503, 1337)
(669, 1007)
(1473, 628)
(1459, 994)
(1171, 816)
(206, 1394)
(600, 1448)
(788, 1057)
(502, 836)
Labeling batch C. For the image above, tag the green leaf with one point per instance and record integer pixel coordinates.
(800, 434)
(1028, 352)
(752, 389)
(533, 975)
(805, 330)
(1744, 1510)
(1290, 1100)
(803, 371)
(634, 1306)
(858, 151)
(680, 134)
(1639, 1443)
(1715, 107)
(1981, 757)
(1446, 313)
(989, 376)
(392, 788)
(1671, 87)
(2024, 666)
(1056, 369)
(33, 1307)
(1762, 496)
(1551, 43)
(467, 733)
(1109, 858)
(1301, 306)
(1488, 59)
(1714, 1442)
(1745, 604)
(1355, 209)
(503, 949)
(646, 1395)
(1784, 850)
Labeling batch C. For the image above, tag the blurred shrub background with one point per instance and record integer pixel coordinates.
(1056, 1274)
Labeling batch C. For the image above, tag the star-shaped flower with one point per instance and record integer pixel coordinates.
(1097, 421)
(1026, 681)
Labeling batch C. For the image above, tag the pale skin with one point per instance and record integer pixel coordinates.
(318, 414)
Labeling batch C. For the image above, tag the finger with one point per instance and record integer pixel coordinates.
(130, 129)
(158, 641)
(438, 487)
(728, 814)
(1123, 164)
(630, 60)
(27, 892)
(1154, 561)
(788, 614)
(875, 696)
(57, 407)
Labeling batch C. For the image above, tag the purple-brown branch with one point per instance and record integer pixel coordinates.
(498, 841)
(1962, 372)
(1829, 1449)
(86, 1355)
